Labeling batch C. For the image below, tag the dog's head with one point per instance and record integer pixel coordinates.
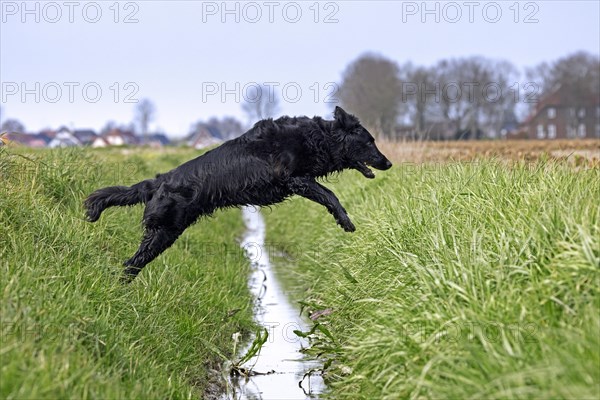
(359, 150)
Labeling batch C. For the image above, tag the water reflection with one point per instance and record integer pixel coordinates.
(280, 367)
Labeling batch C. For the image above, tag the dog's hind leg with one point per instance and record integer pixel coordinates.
(312, 190)
(155, 241)
(166, 216)
(111, 196)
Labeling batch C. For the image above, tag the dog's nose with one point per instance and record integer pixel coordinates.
(382, 164)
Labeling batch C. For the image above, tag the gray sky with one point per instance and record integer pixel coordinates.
(193, 59)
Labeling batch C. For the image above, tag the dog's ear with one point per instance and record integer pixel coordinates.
(342, 118)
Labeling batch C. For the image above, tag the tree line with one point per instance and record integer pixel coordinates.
(469, 97)
(473, 96)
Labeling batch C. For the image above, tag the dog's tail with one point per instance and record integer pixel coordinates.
(111, 196)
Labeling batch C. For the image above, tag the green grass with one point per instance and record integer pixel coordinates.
(68, 328)
(463, 281)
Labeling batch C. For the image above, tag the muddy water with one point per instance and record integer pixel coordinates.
(280, 360)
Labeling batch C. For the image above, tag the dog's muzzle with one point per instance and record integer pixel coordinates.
(386, 164)
(363, 169)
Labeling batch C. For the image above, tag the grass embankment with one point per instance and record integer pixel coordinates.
(462, 281)
(69, 329)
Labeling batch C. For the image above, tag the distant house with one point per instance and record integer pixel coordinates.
(49, 133)
(156, 140)
(556, 117)
(204, 136)
(85, 136)
(39, 140)
(26, 139)
(99, 141)
(64, 138)
(120, 137)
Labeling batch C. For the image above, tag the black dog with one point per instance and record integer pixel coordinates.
(272, 161)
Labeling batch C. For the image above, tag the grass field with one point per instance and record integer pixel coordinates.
(470, 280)
(68, 328)
(465, 279)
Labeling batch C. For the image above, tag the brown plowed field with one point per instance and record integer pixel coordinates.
(577, 152)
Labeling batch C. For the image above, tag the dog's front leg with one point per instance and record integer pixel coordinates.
(312, 190)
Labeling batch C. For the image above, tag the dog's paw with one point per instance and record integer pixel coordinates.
(92, 215)
(347, 225)
(128, 275)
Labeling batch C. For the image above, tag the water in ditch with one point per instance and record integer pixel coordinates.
(280, 367)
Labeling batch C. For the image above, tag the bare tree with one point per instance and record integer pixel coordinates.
(109, 126)
(260, 102)
(145, 111)
(420, 92)
(499, 99)
(12, 126)
(452, 105)
(578, 76)
(475, 95)
(371, 89)
(229, 127)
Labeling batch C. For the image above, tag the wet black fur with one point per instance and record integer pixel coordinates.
(272, 161)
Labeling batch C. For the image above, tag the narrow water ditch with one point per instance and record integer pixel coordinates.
(280, 367)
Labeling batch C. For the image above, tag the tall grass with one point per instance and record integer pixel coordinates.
(466, 280)
(68, 328)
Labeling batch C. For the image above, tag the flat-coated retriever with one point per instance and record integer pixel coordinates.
(274, 160)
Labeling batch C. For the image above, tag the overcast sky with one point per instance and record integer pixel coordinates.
(81, 64)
